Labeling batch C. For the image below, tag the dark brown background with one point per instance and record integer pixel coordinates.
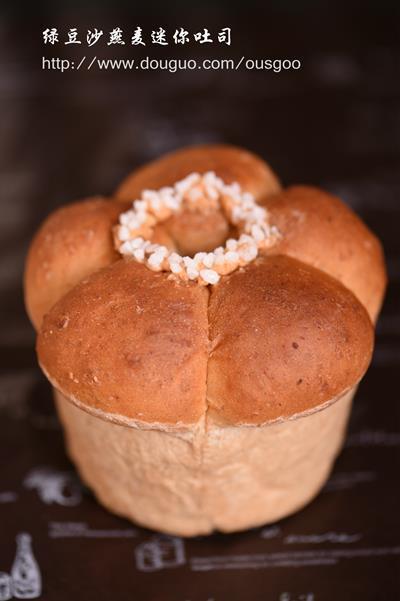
(334, 123)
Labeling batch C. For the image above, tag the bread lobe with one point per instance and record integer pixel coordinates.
(286, 339)
(131, 342)
(319, 229)
(230, 163)
(73, 242)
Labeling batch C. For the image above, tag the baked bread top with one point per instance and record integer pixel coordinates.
(280, 337)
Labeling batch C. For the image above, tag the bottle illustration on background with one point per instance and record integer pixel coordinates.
(25, 574)
(5, 587)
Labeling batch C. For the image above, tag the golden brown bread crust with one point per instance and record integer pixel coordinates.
(290, 298)
(195, 232)
(319, 229)
(286, 339)
(192, 231)
(230, 163)
(73, 242)
(131, 342)
(76, 240)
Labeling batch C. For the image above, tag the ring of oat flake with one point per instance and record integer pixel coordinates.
(203, 191)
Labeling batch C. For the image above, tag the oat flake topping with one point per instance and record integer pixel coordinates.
(196, 192)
